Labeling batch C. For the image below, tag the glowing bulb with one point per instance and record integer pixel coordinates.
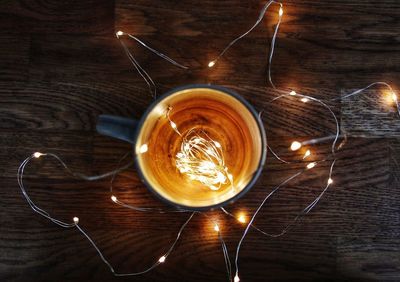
(220, 178)
(307, 154)
(143, 149)
(241, 218)
(173, 125)
(37, 155)
(76, 220)
(394, 97)
(161, 259)
(217, 144)
(211, 64)
(216, 228)
(311, 165)
(330, 181)
(236, 279)
(292, 93)
(304, 100)
(280, 11)
(295, 146)
(113, 198)
(119, 33)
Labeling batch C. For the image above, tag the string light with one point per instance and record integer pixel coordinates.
(143, 149)
(162, 259)
(37, 155)
(273, 40)
(311, 165)
(201, 158)
(295, 146)
(205, 167)
(241, 218)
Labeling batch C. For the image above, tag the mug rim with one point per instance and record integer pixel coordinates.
(255, 175)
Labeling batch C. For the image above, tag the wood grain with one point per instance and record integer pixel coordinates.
(61, 66)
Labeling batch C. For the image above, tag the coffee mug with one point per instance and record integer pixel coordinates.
(222, 115)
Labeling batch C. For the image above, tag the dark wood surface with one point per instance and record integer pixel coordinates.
(61, 66)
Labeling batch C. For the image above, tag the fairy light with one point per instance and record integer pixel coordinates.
(173, 125)
(295, 146)
(311, 165)
(259, 19)
(143, 149)
(201, 158)
(241, 218)
(37, 155)
(75, 219)
(394, 97)
(204, 166)
(162, 259)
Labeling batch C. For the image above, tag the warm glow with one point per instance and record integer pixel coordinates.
(236, 279)
(162, 259)
(143, 149)
(211, 64)
(295, 146)
(390, 97)
(307, 154)
(311, 165)
(113, 198)
(201, 159)
(37, 155)
(173, 125)
(304, 100)
(76, 220)
(241, 218)
(293, 93)
(394, 97)
(216, 228)
(280, 11)
(330, 181)
(119, 33)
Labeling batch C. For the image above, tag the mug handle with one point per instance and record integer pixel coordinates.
(117, 127)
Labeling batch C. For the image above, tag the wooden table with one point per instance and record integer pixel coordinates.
(62, 66)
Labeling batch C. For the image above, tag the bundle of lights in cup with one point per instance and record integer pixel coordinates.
(202, 159)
